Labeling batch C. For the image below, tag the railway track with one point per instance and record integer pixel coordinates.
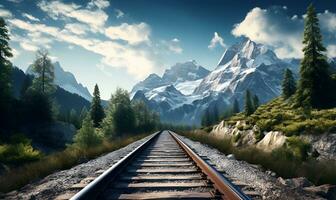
(163, 167)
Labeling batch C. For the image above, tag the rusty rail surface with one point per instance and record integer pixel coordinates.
(92, 190)
(224, 186)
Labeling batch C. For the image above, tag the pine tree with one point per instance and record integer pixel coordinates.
(314, 87)
(96, 110)
(73, 118)
(5, 72)
(206, 121)
(43, 71)
(248, 104)
(255, 102)
(288, 84)
(235, 107)
(214, 115)
(83, 114)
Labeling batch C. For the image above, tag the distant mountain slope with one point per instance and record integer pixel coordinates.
(65, 99)
(186, 90)
(67, 81)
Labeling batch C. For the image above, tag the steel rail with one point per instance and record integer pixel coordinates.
(227, 189)
(93, 189)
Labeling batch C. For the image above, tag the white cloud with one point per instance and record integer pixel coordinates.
(120, 13)
(138, 62)
(167, 47)
(5, 13)
(101, 4)
(275, 28)
(15, 53)
(58, 10)
(15, 1)
(76, 28)
(28, 46)
(175, 40)
(132, 33)
(217, 39)
(30, 17)
(331, 51)
(328, 21)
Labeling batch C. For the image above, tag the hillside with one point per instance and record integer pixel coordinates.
(279, 115)
(66, 100)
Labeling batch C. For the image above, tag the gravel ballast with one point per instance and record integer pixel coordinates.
(60, 182)
(264, 183)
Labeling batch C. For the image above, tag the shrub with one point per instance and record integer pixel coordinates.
(87, 135)
(298, 147)
(18, 151)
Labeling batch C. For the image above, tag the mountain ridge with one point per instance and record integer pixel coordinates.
(67, 81)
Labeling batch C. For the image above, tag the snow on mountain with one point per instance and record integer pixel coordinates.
(181, 72)
(182, 75)
(185, 90)
(67, 81)
(246, 65)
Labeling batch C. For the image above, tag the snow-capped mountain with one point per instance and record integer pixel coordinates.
(183, 93)
(67, 81)
(243, 66)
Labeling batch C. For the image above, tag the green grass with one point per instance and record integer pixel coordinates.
(66, 159)
(288, 162)
(279, 115)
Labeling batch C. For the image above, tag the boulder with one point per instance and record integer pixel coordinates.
(231, 157)
(323, 144)
(326, 191)
(271, 141)
(299, 182)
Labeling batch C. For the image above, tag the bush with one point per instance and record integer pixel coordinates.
(87, 135)
(298, 147)
(18, 151)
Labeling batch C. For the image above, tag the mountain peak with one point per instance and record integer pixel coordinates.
(187, 71)
(66, 80)
(247, 49)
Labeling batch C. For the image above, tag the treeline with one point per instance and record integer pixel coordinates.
(212, 115)
(29, 110)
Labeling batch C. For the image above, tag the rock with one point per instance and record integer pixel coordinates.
(327, 191)
(231, 157)
(324, 144)
(271, 141)
(300, 182)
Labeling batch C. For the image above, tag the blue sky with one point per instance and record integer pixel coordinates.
(117, 43)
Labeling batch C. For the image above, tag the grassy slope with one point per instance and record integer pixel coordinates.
(279, 115)
(291, 160)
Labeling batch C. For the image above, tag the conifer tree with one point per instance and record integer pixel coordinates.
(235, 107)
(43, 71)
(255, 102)
(83, 114)
(206, 121)
(314, 87)
(288, 84)
(5, 71)
(248, 103)
(96, 111)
